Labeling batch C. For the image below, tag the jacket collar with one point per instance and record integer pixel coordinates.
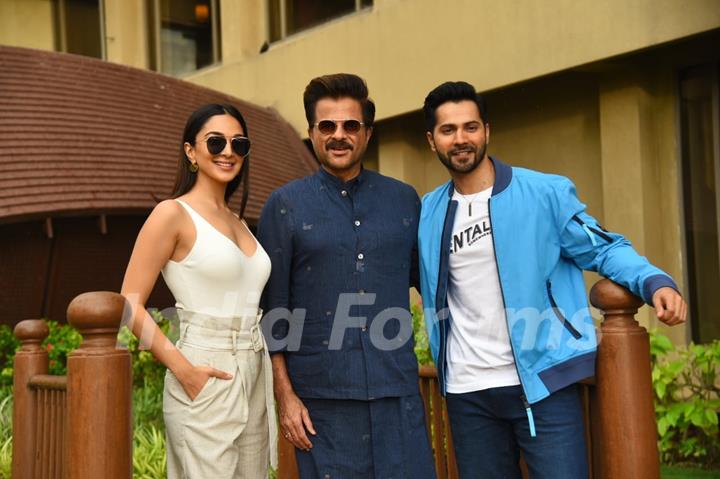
(503, 176)
(329, 178)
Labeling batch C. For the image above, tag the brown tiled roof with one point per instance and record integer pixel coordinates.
(81, 136)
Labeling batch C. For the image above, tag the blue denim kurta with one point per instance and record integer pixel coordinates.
(324, 238)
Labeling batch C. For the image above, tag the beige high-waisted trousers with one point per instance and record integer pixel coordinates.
(229, 430)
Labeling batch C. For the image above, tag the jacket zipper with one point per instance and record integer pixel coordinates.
(576, 334)
(443, 339)
(589, 230)
(528, 409)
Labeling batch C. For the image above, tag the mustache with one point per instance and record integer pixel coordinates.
(462, 149)
(338, 144)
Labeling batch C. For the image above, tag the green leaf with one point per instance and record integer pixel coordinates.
(661, 343)
(698, 417)
(711, 416)
(697, 349)
(660, 389)
(686, 408)
(672, 415)
(675, 367)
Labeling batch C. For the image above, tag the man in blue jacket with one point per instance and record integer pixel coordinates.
(502, 251)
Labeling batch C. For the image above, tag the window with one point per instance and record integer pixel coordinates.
(79, 27)
(700, 136)
(184, 35)
(291, 16)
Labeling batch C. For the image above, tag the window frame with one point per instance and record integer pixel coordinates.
(154, 30)
(282, 11)
(60, 19)
(689, 260)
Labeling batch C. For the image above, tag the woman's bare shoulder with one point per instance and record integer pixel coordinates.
(167, 212)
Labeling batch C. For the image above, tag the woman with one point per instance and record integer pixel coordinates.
(217, 399)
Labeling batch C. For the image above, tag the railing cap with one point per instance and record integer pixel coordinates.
(606, 295)
(31, 330)
(96, 310)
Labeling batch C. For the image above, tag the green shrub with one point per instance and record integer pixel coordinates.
(8, 345)
(62, 340)
(148, 379)
(147, 407)
(686, 384)
(5, 431)
(147, 371)
(422, 345)
(149, 460)
(148, 376)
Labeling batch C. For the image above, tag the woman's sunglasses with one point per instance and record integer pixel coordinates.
(328, 127)
(240, 145)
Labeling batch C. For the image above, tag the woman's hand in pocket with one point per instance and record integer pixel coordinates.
(194, 379)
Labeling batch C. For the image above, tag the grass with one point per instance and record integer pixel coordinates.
(149, 460)
(675, 472)
(5, 433)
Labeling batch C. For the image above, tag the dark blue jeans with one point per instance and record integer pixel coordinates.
(490, 428)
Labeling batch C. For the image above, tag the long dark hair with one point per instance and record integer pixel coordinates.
(185, 179)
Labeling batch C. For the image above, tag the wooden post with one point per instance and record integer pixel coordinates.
(99, 391)
(628, 433)
(30, 360)
(287, 465)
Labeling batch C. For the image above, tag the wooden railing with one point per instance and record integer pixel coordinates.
(622, 410)
(620, 428)
(437, 423)
(79, 425)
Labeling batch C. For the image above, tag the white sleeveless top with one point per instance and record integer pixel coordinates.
(216, 278)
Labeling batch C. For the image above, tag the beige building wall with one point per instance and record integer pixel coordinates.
(568, 91)
(27, 23)
(405, 47)
(640, 147)
(126, 35)
(612, 133)
(31, 24)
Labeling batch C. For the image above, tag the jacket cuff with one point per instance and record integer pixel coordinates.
(655, 282)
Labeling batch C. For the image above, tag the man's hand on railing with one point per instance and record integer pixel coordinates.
(670, 307)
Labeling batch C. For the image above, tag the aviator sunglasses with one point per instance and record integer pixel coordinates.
(240, 145)
(328, 127)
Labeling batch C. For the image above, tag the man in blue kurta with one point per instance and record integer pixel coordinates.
(343, 247)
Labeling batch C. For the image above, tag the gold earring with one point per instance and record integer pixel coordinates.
(193, 167)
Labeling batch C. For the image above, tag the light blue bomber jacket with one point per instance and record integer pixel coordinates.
(543, 240)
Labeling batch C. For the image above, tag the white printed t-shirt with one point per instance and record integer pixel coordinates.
(478, 346)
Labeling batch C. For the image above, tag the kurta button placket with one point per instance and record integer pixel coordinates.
(332, 241)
